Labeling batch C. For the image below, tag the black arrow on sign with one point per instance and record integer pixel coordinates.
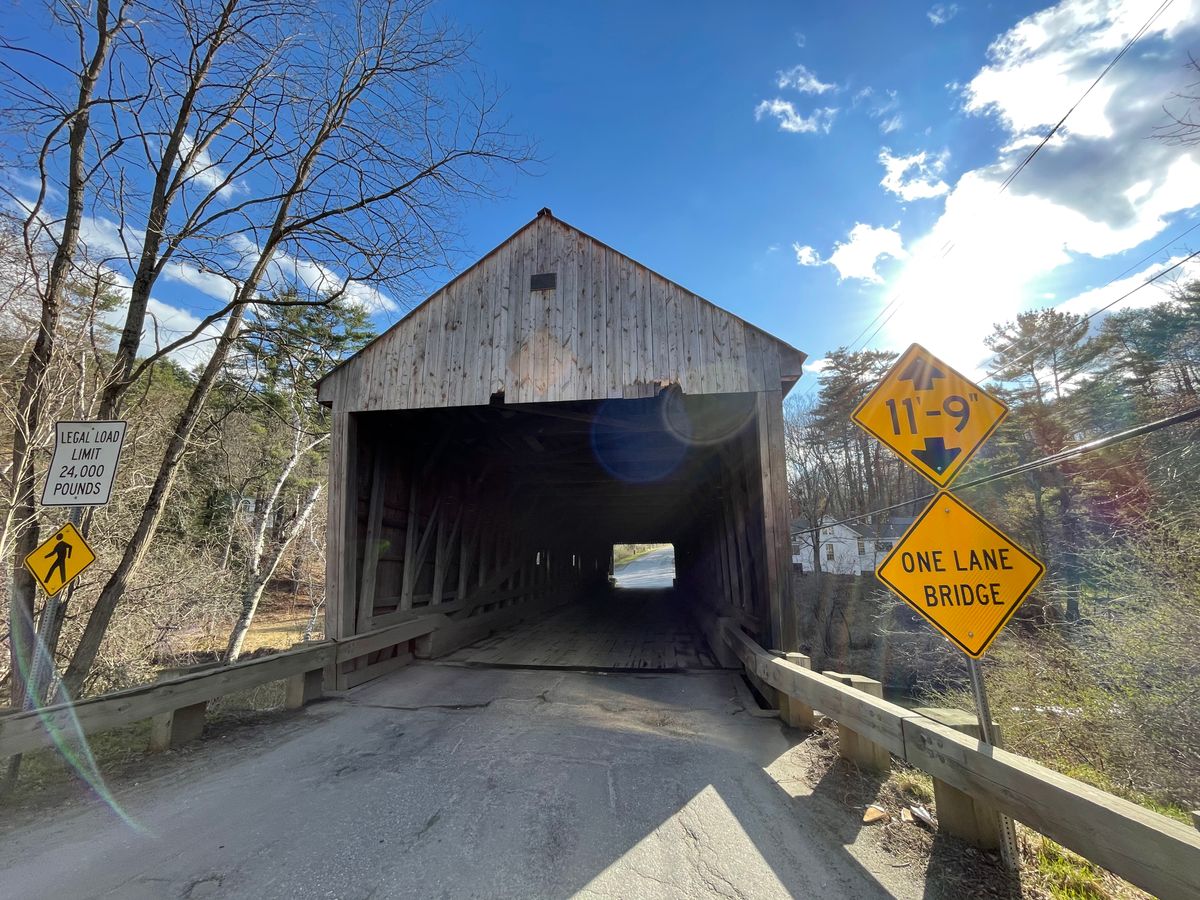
(936, 454)
(921, 372)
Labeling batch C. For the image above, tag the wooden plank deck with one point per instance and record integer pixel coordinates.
(619, 629)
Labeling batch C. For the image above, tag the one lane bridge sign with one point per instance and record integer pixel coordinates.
(934, 417)
(961, 573)
(84, 464)
(60, 559)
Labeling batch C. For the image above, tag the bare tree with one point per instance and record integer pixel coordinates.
(96, 30)
(1183, 125)
(264, 560)
(812, 477)
(359, 157)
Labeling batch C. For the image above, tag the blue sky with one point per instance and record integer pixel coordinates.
(806, 165)
(646, 118)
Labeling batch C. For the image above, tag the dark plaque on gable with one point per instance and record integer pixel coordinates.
(546, 281)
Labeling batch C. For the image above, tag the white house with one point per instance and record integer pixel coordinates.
(846, 549)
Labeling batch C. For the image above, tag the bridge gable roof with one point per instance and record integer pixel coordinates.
(552, 314)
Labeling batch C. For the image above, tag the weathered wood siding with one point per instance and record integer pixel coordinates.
(610, 329)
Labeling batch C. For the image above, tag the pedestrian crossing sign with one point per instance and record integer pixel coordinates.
(60, 559)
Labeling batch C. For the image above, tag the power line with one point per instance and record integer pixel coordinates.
(897, 301)
(1105, 307)
(1116, 59)
(1050, 460)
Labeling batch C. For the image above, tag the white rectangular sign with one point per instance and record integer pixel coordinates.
(84, 464)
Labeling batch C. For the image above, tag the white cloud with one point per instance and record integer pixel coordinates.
(801, 38)
(915, 177)
(1090, 301)
(857, 256)
(206, 173)
(800, 79)
(791, 120)
(806, 256)
(1103, 187)
(885, 110)
(204, 281)
(103, 238)
(30, 183)
(286, 270)
(165, 324)
(1042, 65)
(941, 13)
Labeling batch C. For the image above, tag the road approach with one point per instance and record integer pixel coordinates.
(456, 781)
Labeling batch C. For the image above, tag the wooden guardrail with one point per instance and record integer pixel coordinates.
(1149, 850)
(178, 703)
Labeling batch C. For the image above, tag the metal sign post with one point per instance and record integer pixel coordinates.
(1009, 853)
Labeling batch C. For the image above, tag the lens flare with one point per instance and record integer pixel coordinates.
(62, 725)
(631, 444)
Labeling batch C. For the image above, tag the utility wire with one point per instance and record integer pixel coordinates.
(1052, 459)
(1092, 315)
(1089, 316)
(897, 301)
(1116, 59)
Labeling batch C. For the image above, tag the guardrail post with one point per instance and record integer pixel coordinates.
(305, 687)
(853, 746)
(793, 711)
(958, 813)
(171, 730)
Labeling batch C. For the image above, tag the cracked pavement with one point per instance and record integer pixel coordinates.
(451, 781)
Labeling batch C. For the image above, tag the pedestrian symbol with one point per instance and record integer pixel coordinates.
(60, 559)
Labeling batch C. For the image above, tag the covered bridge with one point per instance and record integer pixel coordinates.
(554, 399)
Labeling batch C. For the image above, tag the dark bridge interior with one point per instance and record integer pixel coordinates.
(471, 511)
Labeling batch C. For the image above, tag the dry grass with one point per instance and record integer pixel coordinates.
(1048, 871)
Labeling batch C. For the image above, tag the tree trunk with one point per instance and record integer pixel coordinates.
(258, 579)
(32, 393)
(139, 543)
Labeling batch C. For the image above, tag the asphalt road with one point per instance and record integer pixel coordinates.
(655, 569)
(451, 781)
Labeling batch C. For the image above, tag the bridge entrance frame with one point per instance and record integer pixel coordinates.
(554, 398)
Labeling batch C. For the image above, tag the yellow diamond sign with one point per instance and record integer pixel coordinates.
(933, 416)
(60, 559)
(960, 572)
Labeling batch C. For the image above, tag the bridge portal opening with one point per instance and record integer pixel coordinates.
(643, 567)
(504, 518)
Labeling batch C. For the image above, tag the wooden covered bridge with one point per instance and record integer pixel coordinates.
(554, 399)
